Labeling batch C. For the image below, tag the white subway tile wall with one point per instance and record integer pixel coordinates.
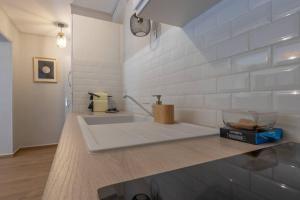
(287, 101)
(284, 8)
(217, 68)
(93, 77)
(193, 101)
(281, 78)
(232, 10)
(286, 53)
(253, 101)
(234, 83)
(253, 19)
(256, 3)
(280, 30)
(218, 101)
(233, 46)
(254, 60)
(239, 54)
(219, 34)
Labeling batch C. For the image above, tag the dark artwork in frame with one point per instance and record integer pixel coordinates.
(44, 70)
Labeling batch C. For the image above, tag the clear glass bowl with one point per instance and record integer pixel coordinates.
(249, 120)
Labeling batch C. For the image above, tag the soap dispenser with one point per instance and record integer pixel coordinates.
(162, 113)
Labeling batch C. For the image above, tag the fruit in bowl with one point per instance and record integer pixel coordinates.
(249, 120)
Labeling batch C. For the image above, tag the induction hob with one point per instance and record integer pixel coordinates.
(269, 174)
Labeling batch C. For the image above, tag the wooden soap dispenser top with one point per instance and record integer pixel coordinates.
(162, 113)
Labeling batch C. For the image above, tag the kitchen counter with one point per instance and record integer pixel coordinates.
(77, 174)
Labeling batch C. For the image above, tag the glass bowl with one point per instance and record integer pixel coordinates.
(249, 120)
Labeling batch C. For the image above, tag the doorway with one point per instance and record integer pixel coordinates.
(6, 97)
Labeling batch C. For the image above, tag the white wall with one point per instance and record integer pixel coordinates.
(96, 60)
(6, 82)
(239, 54)
(39, 111)
(7, 28)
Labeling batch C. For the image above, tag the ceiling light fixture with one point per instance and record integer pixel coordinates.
(61, 40)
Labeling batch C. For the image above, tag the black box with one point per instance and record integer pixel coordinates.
(252, 137)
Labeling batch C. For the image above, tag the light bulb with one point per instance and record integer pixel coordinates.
(61, 40)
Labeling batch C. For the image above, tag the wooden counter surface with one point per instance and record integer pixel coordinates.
(77, 174)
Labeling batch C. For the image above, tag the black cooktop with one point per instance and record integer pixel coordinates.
(268, 174)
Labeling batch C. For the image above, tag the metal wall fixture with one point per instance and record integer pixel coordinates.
(139, 27)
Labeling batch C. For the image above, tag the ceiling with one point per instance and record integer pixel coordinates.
(37, 16)
(107, 6)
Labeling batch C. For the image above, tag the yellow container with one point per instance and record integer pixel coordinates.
(103, 96)
(100, 105)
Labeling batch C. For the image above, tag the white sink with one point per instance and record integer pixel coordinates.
(118, 131)
(97, 120)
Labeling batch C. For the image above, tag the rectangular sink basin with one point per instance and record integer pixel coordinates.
(97, 120)
(119, 131)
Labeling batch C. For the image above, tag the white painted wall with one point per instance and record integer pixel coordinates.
(7, 28)
(239, 54)
(6, 82)
(39, 111)
(96, 61)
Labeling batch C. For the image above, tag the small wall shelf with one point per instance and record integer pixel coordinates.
(174, 12)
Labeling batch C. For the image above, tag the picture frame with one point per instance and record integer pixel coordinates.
(44, 70)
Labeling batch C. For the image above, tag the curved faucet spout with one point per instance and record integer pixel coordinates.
(139, 104)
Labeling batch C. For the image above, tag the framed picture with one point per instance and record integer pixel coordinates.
(44, 70)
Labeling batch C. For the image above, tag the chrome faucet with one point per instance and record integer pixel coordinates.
(139, 104)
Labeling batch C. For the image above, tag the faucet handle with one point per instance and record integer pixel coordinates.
(92, 95)
(158, 96)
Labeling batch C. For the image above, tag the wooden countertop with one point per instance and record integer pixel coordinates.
(77, 174)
